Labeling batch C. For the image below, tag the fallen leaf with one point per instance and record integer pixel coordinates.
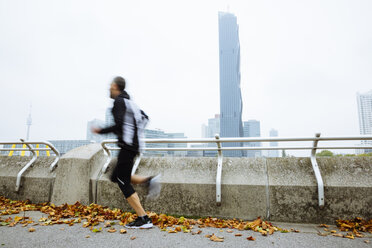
(62, 228)
(123, 231)
(337, 235)
(324, 225)
(31, 229)
(359, 235)
(107, 224)
(229, 231)
(172, 231)
(238, 234)
(24, 225)
(366, 241)
(95, 230)
(88, 236)
(251, 238)
(322, 234)
(214, 238)
(349, 236)
(111, 230)
(133, 238)
(333, 231)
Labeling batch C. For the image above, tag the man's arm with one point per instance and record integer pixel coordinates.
(118, 111)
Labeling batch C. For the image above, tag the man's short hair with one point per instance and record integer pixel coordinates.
(120, 82)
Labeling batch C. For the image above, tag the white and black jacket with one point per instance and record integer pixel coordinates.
(130, 122)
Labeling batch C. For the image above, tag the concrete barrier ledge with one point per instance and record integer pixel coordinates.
(278, 189)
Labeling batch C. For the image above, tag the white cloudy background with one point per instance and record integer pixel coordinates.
(302, 63)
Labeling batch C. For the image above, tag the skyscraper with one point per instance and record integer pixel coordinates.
(365, 116)
(273, 153)
(252, 129)
(230, 95)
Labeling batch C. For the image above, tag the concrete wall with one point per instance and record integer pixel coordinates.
(37, 181)
(279, 189)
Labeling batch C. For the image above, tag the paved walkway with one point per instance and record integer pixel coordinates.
(78, 236)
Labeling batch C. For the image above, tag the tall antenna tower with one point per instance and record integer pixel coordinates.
(29, 123)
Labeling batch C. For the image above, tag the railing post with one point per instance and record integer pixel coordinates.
(56, 152)
(20, 173)
(318, 176)
(219, 171)
(108, 153)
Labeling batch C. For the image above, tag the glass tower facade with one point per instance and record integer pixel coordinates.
(230, 93)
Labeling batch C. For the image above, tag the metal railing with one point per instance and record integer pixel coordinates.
(27, 146)
(219, 149)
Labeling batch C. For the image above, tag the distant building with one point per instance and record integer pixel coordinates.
(230, 94)
(365, 117)
(155, 134)
(159, 134)
(177, 145)
(214, 126)
(211, 130)
(196, 153)
(273, 153)
(63, 146)
(252, 129)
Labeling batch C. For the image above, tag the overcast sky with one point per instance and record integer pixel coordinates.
(302, 63)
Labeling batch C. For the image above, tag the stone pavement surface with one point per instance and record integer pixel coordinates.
(77, 236)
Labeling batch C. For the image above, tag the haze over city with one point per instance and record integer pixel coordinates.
(302, 64)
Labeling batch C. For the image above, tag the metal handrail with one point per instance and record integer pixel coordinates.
(33, 150)
(219, 149)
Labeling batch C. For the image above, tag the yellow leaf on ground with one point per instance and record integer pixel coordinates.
(31, 229)
(251, 238)
(123, 231)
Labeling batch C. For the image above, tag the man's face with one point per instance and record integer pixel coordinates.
(114, 91)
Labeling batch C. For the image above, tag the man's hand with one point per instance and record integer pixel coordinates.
(96, 130)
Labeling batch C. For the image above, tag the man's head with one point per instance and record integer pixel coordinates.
(117, 87)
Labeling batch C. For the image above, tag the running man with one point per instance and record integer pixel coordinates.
(129, 124)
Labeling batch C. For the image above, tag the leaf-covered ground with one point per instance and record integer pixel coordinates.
(92, 215)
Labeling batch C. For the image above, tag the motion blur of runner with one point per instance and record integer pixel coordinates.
(130, 122)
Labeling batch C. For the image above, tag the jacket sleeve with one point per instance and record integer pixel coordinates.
(118, 111)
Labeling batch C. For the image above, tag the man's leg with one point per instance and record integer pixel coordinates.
(135, 203)
(124, 166)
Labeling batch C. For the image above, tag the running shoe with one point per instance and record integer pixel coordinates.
(154, 187)
(141, 222)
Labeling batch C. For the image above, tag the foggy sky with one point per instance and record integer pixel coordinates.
(302, 63)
